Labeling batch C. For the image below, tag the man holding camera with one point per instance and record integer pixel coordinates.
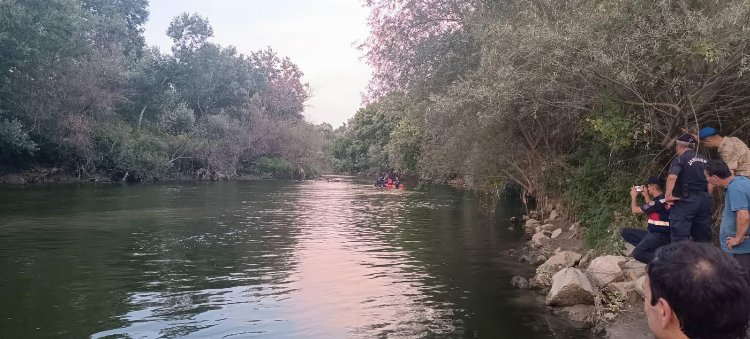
(687, 190)
(646, 242)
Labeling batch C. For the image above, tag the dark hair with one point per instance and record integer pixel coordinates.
(718, 168)
(655, 180)
(708, 290)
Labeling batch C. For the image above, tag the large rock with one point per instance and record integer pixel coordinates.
(628, 250)
(605, 270)
(633, 269)
(622, 290)
(554, 264)
(570, 287)
(540, 239)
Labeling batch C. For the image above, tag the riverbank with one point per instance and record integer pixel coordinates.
(599, 290)
(57, 175)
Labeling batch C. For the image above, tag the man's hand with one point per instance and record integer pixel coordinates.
(734, 241)
(633, 193)
(671, 199)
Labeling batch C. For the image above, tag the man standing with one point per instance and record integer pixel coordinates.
(646, 242)
(732, 150)
(687, 189)
(693, 290)
(735, 218)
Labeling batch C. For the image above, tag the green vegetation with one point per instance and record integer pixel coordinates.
(573, 101)
(80, 90)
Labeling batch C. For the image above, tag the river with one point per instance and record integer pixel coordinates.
(276, 259)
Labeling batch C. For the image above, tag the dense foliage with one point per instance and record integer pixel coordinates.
(80, 90)
(572, 100)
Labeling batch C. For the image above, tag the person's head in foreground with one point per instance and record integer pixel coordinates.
(694, 290)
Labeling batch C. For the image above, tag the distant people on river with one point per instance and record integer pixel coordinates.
(732, 150)
(693, 290)
(388, 180)
(657, 234)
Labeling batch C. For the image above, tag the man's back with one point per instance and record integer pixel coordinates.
(736, 154)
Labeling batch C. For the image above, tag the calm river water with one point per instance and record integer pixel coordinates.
(263, 258)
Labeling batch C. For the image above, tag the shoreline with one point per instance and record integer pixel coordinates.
(601, 291)
(56, 176)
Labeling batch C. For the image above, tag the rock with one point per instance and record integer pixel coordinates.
(13, 179)
(622, 290)
(638, 285)
(532, 223)
(538, 229)
(570, 287)
(580, 313)
(558, 250)
(633, 269)
(605, 270)
(556, 233)
(535, 260)
(628, 251)
(525, 218)
(519, 282)
(549, 227)
(540, 239)
(547, 233)
(609, 316)
(534, 214)
(632, 264)
(574, 227)
(554, 264)
(553, 215)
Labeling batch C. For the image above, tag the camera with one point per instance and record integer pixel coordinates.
(638, 188)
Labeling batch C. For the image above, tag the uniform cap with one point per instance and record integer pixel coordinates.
(706, 132)
(686, 138)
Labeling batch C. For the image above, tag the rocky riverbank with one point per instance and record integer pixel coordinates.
(599, 290)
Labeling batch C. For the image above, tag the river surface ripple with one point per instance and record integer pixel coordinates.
(270, 259)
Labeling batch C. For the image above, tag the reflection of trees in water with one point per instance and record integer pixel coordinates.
(112, 254)
(447, 245)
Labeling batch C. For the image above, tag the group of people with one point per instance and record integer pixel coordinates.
(387, 180)
(692, 288)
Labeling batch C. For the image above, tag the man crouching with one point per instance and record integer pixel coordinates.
(646, 242)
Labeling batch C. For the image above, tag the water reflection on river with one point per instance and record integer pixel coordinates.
(264, 258)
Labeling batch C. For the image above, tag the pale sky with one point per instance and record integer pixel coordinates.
(320, 36)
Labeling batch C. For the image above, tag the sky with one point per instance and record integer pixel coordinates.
(320, 36)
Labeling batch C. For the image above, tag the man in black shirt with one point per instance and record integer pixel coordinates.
(687, 189)
(646, 242)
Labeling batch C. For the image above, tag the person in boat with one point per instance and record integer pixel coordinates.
(381, 181)
(397, 181)
(657, 234)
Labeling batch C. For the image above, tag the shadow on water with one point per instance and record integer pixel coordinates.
(263, 258)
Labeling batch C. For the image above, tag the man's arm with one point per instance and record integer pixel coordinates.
(634, 208)
(743, 220)
(671, 180)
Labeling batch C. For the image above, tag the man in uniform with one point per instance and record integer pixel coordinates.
(732, 150)
(647, 241)
(687, 189)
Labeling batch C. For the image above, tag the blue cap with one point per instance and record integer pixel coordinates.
(706, 132)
